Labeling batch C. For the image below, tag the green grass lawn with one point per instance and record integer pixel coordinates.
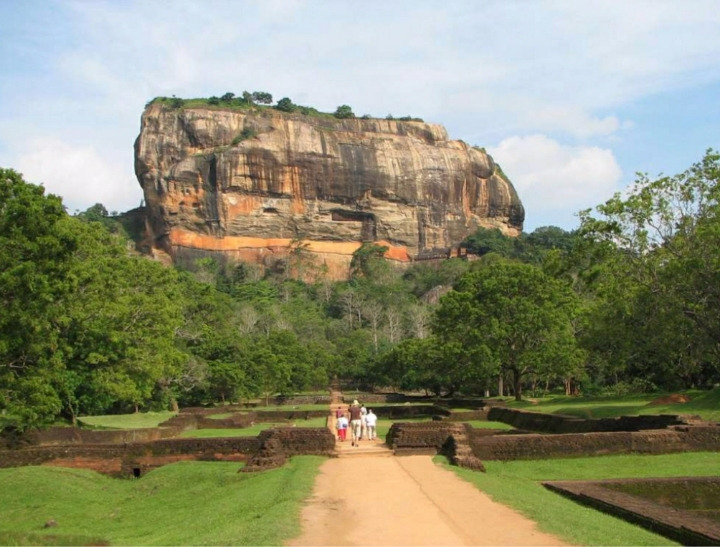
(484, 424)
(705, 404)
(138, 420)
(186, 503)
(517, 484)
(286, 408)
(251, 431)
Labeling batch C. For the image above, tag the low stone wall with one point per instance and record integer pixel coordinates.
(139, 457)
(687, 526)
(467, 416)
(269, 416)
(435, 437)
(73, 435)
(558, 423)
(449, 402)
(535, 446)
(143, 457)
(447, 438)
(379, 398)
(410, 411)
(303, 400)
(187, 420)
(278, 444)
(418, 438)
(702, 437)
(39, 455)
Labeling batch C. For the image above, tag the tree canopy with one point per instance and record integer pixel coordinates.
(509, 316)
(629, 302)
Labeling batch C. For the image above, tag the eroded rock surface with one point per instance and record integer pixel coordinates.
(256, 184)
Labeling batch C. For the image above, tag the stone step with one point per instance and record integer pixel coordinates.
(346, 450)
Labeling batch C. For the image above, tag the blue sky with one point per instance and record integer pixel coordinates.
(571, 97)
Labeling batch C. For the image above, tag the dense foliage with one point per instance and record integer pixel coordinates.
(629, 302)
(262, 99)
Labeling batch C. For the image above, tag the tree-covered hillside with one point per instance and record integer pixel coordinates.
(629, 302)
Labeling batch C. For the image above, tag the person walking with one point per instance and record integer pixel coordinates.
(371, 423)
(342, 425)
(355, 422)
(363, 425)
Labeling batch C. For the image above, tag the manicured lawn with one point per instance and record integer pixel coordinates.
(702, 403)
(187, 503)
(286, 408)
(517, 484)
(138, 420)
(484, 424)
(251, 431)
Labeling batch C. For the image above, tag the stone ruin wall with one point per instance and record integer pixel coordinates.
(124, 452)
(488, 445)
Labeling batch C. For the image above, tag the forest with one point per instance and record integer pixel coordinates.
(627, 302)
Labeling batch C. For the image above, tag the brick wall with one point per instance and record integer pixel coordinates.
(535, 446)
(140, 457)
(558, 423)
(418, 437)
(73, 435)
(429, 437)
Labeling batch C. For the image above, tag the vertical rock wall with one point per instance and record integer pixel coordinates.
(255, 184)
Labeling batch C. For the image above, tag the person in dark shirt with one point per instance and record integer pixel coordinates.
(355, 422)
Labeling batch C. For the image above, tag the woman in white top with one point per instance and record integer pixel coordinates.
(370, 423)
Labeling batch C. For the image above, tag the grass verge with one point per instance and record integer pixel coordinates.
(187, 503)
(517, 484)
(251, 431)
(705, 404)
(138, 420)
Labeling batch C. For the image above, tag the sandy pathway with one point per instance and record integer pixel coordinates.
(409, 500)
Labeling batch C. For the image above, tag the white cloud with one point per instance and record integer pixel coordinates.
(79, 174)
(486, 70)
(554, 181)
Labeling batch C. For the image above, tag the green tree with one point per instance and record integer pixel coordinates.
(118, 330)
(537, 245)
(489, 240)
(269, 373)
(262, 97)
(286, 105)
(35, 256)
(344, 112)
(667, 231)
(227, 381)
(510, 317)
(368, 260)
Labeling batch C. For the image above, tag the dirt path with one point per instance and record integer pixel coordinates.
(367, 496)
(409, 500)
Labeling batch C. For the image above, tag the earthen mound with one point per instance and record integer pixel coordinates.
(674, 399)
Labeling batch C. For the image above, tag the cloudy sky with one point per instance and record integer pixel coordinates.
(571, 97)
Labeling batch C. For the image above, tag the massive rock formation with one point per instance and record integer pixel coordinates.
(257, 184)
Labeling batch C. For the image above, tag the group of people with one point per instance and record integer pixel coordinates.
(361, 422)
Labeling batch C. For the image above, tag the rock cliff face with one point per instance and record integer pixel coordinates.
(257, 185)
